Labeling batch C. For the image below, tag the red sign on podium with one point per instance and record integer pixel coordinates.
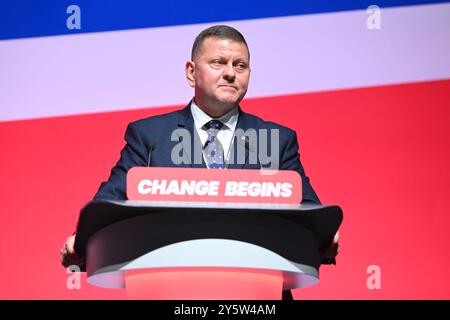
(214, 185)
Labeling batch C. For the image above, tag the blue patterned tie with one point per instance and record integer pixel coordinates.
(213, 150)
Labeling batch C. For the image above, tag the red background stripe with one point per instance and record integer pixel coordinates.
(381, 153)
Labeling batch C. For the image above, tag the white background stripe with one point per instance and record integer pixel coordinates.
(97, 72)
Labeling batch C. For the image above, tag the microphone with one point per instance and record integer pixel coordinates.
(151, 147)
(251, 149)
(247, 144)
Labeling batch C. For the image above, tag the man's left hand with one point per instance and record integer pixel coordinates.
(332, 251)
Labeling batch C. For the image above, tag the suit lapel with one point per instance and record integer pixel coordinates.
(186, 121)
(244, 123)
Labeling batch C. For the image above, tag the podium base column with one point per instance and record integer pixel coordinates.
(203, 284)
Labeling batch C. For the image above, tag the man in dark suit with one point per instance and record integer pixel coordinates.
(150, 142)
(209, 131)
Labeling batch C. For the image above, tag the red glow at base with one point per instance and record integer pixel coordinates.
(203, 284)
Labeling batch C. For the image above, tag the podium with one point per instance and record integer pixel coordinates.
(198, 250)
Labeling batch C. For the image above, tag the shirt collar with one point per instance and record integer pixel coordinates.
(201, 118)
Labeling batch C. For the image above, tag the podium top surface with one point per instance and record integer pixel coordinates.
(322, 220)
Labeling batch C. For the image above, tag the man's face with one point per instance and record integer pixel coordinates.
(220, 73)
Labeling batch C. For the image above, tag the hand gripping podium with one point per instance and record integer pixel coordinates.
(201, 250)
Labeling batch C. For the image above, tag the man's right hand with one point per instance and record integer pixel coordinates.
(68, 255)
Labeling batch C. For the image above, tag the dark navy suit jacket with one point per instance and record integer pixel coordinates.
(152, 137)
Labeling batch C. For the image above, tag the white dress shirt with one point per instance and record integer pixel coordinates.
(225, 135)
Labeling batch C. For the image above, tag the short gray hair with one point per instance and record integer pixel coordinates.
(221, 32)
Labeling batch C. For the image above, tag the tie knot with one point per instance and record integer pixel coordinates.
(213, 124)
